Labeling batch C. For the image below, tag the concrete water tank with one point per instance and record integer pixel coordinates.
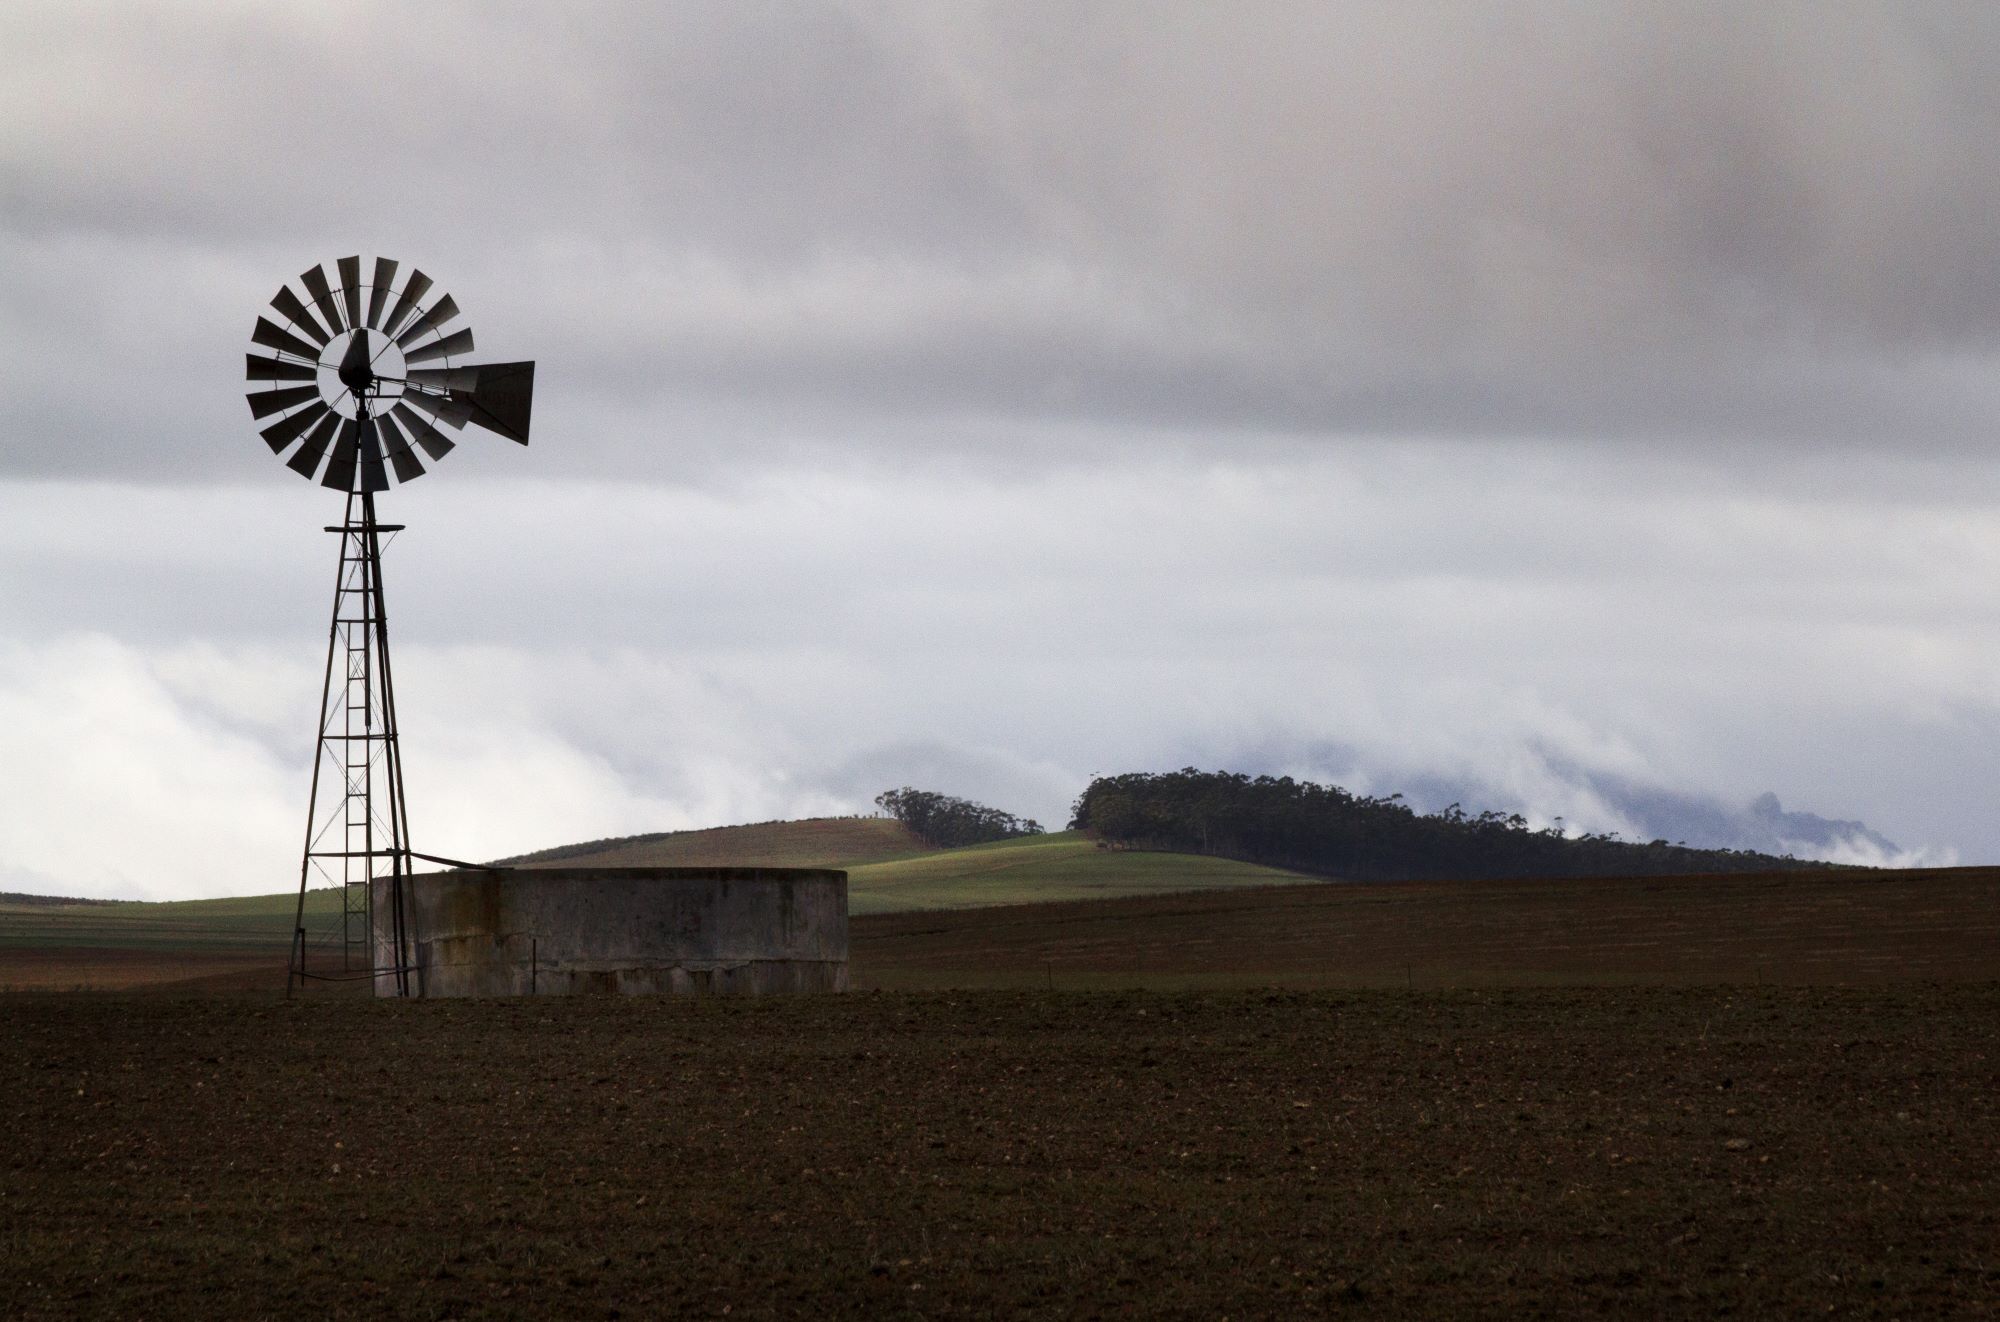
(638, 931)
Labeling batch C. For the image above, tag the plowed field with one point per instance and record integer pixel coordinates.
(1551, 1153)
(1785, 927)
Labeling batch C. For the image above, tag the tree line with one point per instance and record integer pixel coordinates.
(945, 822)
(1324, 829)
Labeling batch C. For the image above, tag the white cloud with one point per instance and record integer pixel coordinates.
(116, 787)
(593, 659)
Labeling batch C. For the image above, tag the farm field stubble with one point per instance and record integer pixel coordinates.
(1678, 1151)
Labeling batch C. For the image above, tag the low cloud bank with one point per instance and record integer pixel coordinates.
(181, 772)
(585, 660)
(1603, 802)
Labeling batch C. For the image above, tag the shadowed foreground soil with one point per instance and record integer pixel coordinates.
(1552, 1152)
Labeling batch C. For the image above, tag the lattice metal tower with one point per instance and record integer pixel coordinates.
(360, 380)
(363, 831)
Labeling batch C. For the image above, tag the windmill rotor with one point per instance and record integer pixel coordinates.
(356, 379)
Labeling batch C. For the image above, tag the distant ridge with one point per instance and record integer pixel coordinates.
(1329, 831)
(816, 842)
(14, 899)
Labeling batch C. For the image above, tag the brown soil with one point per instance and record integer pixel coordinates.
(1785, 927)
(112, 968)
(1551, 1153)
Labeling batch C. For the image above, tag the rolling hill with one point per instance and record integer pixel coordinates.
(251, 922)
(134, 943)
(1075, 916)
(891, 871)
(816, 842)
(1065, 866)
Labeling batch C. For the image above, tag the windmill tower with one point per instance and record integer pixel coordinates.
(356, 382)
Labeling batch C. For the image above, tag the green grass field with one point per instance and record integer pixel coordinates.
(138, 944)
(253, 922)
(1064, 866)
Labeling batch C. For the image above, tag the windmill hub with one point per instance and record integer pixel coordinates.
(358, 366)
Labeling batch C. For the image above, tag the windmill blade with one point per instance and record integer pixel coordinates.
(444, 378)
(454, 411)
(436, 444)
(346, 456)
(396, 448)
(385, 275)
(350, 289)
(306, 462)
(393, 439)
(374, 477)
(503, 399)
(420, 284)
(277, 369)
(263, 403)
(441, 312)
(288, 306)
(271, 336)
(408, 467)
(454, 343)
(322, 297)
(286, 429)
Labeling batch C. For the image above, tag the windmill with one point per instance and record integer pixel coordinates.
(358, 377)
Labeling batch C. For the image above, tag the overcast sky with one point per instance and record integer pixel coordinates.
(1554, 404)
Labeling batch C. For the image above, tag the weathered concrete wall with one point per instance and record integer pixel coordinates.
(566, 931)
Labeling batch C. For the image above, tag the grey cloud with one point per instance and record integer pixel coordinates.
(1749, 226)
